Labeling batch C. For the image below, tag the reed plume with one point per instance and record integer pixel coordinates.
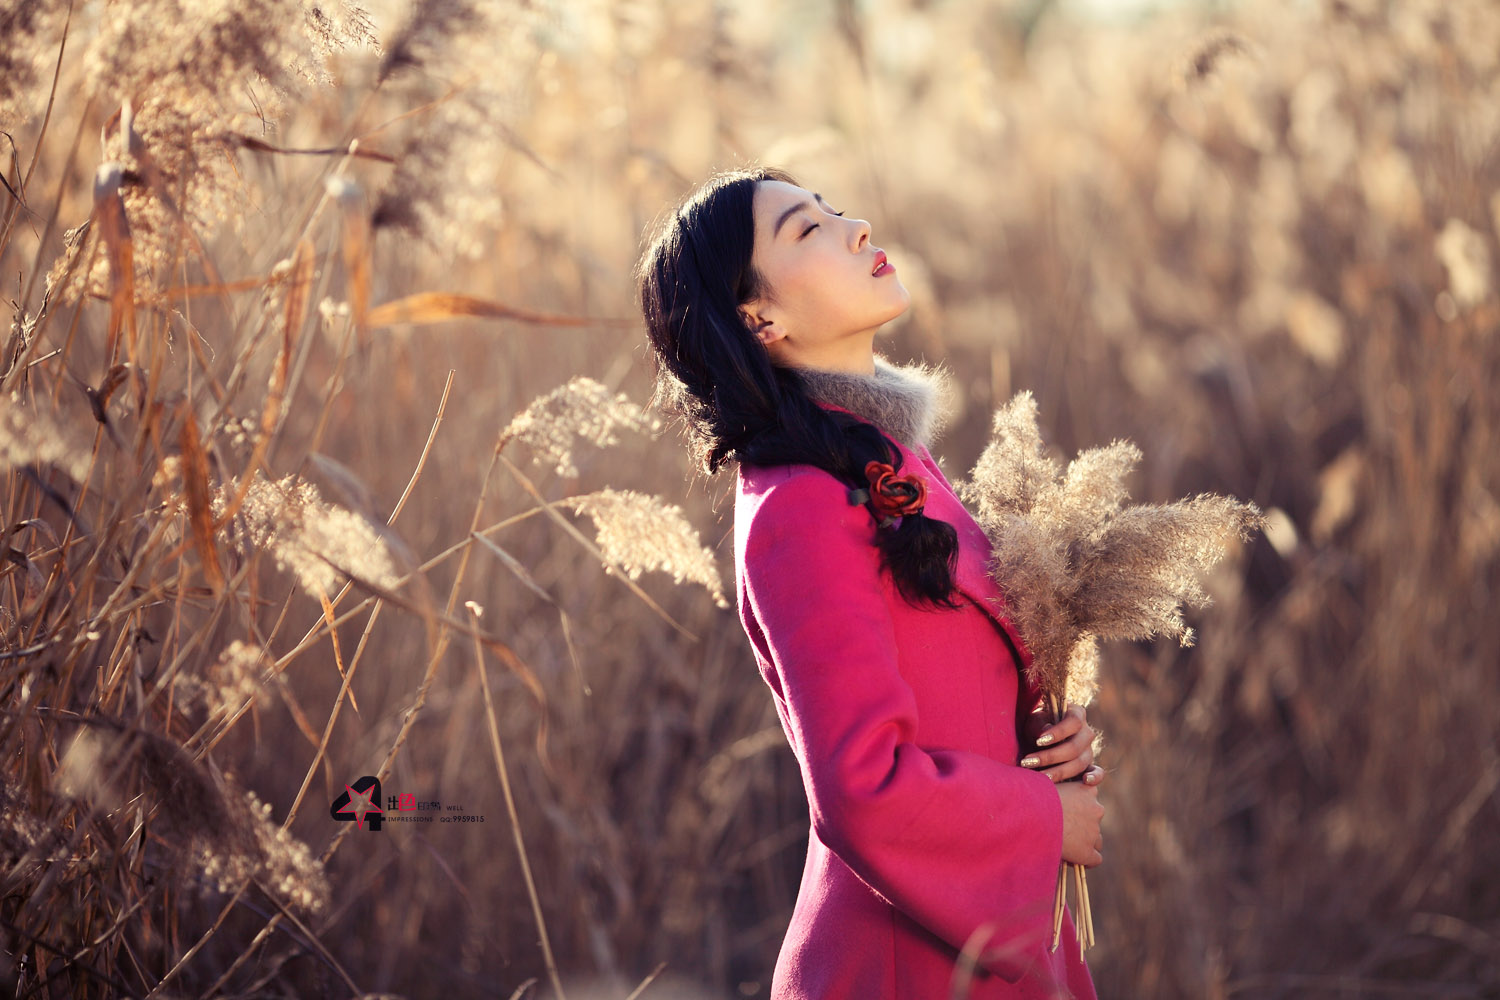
(230, 682)
(319, 543)
(580, 410)
(640, 532)
(26, 32)
(1077, 565)
(185, 114)
(205, 830)
(454, 160)
(29, 436)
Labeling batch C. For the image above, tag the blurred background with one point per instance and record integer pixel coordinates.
(1257, 239)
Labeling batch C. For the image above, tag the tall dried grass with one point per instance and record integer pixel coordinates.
(1260, 244)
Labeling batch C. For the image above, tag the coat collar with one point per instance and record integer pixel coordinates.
(912, 403)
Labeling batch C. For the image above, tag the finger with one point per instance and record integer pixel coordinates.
(1093, 775)
(1083, 737)
(1060, 730)
(1069, 768)
(1071, 748)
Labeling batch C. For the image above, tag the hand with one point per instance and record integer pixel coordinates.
(1065, 749)
(1083, 843)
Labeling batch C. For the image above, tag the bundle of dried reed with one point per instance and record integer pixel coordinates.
(1077, 565)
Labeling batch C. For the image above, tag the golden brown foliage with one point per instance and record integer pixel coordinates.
(1274, 272)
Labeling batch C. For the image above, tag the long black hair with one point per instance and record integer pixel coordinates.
(736, 404)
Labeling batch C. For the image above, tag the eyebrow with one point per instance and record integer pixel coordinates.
(793, 211)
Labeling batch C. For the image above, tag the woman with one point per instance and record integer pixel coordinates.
(862, 586)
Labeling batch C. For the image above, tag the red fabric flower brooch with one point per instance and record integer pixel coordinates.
(891, 496)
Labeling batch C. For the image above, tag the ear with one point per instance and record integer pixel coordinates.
(766, 329)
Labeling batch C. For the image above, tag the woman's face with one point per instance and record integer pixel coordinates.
(824, 298)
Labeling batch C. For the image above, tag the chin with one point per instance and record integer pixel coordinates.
(900, 310)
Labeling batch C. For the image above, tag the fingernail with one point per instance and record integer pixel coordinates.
(1031, 762)
(1045, 738)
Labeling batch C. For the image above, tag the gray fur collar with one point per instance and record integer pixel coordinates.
(913, 403)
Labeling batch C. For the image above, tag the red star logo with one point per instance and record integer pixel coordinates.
(363, 806)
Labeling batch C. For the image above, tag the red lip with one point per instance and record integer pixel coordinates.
(880, 262)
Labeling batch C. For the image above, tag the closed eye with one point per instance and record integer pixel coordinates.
(815, 225)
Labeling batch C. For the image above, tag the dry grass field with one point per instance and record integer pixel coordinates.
(284, 280)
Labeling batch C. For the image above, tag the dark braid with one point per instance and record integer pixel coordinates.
(739, 407)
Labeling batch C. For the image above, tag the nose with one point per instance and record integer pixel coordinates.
(861, 233)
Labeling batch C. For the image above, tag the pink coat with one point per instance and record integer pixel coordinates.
(926, 834)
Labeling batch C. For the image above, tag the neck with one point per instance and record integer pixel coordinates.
(851, 356)
(912, 403)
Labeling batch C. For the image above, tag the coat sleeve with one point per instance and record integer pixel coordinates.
(956, 840)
